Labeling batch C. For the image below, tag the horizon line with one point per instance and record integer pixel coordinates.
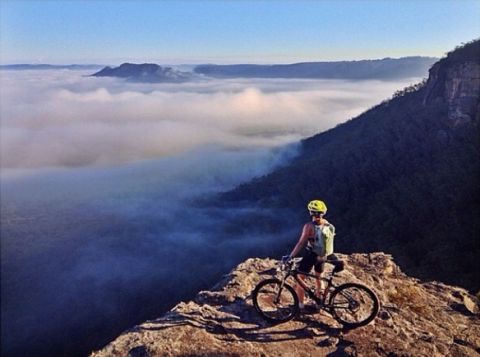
(186, 63)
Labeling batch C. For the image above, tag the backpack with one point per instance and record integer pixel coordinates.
(322, 242)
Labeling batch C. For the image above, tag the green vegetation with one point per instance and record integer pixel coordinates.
(466, 52)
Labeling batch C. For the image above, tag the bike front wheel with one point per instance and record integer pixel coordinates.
(354, 305)
(276, 302)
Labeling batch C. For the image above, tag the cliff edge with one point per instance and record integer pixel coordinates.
(455, 80)
(415, 319)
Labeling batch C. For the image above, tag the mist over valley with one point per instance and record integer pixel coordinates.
(104, 184)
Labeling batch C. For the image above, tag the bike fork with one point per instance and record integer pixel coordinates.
(277, 298)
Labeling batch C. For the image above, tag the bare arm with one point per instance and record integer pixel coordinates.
(307, 232)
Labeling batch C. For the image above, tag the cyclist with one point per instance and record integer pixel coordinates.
(317, 235)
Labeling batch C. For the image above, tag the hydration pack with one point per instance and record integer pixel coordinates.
(322, 243)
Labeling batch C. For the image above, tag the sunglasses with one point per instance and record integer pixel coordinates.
(316, 214)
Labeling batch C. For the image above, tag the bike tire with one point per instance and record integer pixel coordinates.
(343, 302)
(282, 310)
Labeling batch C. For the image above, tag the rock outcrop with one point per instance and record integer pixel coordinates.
(455, 80)
(416, 319)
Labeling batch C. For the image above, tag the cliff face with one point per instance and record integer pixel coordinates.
(416, 319)
(455, 80)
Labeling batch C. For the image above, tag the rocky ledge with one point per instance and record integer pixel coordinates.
(415, 319)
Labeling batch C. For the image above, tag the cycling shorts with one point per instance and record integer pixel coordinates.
(309, 261)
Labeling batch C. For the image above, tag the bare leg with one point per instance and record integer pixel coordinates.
(319, 283)
(299, 290)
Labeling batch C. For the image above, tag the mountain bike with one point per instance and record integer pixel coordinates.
(351, 304)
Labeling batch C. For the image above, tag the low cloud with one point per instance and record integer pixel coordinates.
(64, 118)
(101, 179)
(81, 247)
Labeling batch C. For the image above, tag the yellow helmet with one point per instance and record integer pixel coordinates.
(317, 206)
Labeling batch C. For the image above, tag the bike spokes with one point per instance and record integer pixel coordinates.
(275, 301)
(354, 305)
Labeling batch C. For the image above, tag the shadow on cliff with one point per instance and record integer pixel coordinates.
(257, 329)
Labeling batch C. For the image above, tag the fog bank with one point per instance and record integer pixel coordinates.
(63, 118)
(103, 184)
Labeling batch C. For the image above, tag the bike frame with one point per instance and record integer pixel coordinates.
(321, 302)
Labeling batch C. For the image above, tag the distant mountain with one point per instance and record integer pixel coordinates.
(146, 72)
(402, 177)
(387, 68)
(49, 66)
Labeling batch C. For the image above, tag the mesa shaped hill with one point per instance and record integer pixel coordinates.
(144, 72)
(403, 177)
(415, 319)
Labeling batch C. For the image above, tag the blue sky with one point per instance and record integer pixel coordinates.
(230, 31)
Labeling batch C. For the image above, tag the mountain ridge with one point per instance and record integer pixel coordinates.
(386, 68)
(45, 66)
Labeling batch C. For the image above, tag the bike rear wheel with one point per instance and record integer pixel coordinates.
(354, 305)
(274, 301)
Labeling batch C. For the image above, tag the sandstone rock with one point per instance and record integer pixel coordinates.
(416, 319)
(458, 85)
(470, 304)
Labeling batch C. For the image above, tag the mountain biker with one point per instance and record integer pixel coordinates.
(317, 235)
